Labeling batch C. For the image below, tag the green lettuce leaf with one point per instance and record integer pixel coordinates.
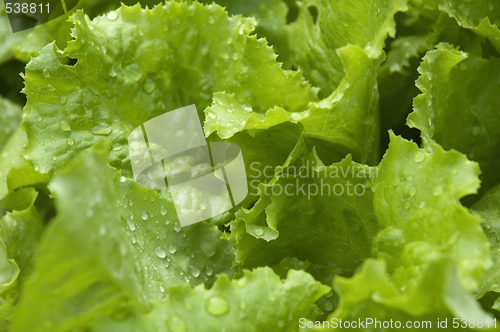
(372, 293)
(482, 17)
(413, 184)
(11, 157)
(310, 211)
(459, 111)
(258, 301)
(176, 62)
(424, 267)
(100, 256)
(19, 234)
(10, 118)
(489, 210)
(323, 26)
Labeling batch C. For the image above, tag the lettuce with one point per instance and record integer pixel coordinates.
(369, 133)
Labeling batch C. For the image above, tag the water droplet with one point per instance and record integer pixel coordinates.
(46, 72)
(71, 141)
(36, 167)
(412, 191)
(144, 215)
(209, 270)
(39, 118)
(211, 20)
(112, 72)
(176, 324)
(54, 158)
(163, 210)
(172, 248)
(216, 306)
(418, 157)
(162, 289)
(328, 306)
(242, 282)
(345, 23)
(437, 190)
(64, 99)
(64, 125)
(149, 86)
(131, 225)
(141, 33)
(160, 252)
(102, 130)
(177, 227)
(406, 205)
(258, 231)
(134, 72)
(195, 272)
(188, 306)
(112, 15)
(207, 248)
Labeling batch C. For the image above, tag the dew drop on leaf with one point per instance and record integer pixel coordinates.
(131, 225)
(176, 324)
(195, 272)
(172, 248)
(437, 190)
(216, 306)
(112, 72)
(258, 231)
(112, 16)
(64, 125)
(328, 306)
(149, 86)
(418, 157)
(160, 252)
